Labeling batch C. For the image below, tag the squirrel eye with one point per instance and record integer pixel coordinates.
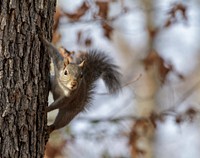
(65, 73)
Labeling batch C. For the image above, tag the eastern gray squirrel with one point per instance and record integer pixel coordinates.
(73, 84)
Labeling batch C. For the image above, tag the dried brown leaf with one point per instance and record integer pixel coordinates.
(107, 30)
(153, 58)
(179, 119)
(103, 9)
(79, 35)
(177, 7)
(153, 32)
(88, 42)
(163, 70)
(191, 113)
(153, 118)
(140, 128)
(150, 59)
(78, 13)
(133, 137)
(168, 23)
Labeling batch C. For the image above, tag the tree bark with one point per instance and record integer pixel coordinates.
(24, 76)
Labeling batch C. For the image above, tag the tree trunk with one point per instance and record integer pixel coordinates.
(24, 76)
(147, 86)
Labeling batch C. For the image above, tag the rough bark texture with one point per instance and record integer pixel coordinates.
(24, 73)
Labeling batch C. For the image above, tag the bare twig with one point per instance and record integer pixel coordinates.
(182, 99)
(125, 85)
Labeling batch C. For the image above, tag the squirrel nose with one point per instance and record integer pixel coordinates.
(73, 84)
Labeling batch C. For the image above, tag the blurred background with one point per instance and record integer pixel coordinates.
(155, 43)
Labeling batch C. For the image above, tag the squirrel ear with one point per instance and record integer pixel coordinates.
(81, 64)
(62, 51)
(66, 62)
(66, 54)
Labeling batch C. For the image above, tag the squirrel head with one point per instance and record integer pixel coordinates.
(71, 75)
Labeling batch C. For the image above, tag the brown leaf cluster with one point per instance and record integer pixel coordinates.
(72, 16)
(87, 41)
(142, 127)
(103, 9)
(163, 68)
(103, 14)
(188, 115)
(153, 58)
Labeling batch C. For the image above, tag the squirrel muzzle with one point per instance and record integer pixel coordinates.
(73, 85)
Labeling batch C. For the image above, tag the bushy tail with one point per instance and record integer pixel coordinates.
(97, 65)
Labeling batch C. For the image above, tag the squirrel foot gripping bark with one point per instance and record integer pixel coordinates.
(73, 84)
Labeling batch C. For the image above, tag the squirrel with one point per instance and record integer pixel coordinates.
(73, 84)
